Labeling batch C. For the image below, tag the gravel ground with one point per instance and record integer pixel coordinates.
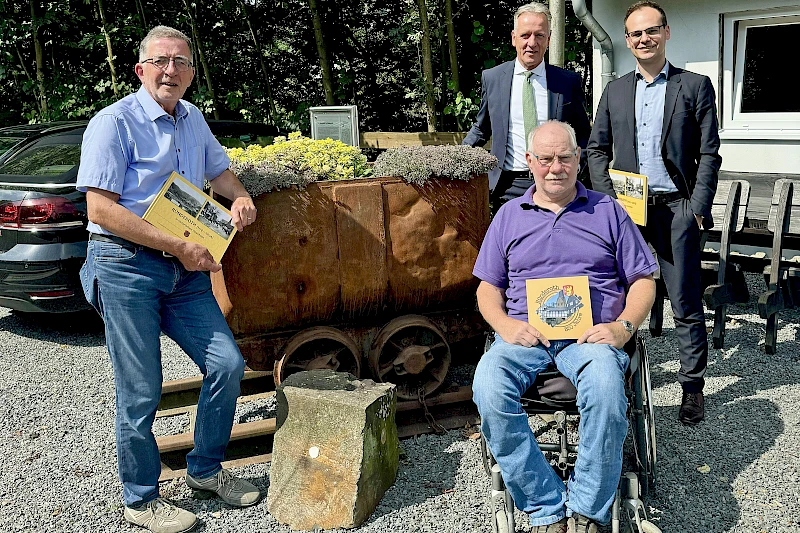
(737, 472)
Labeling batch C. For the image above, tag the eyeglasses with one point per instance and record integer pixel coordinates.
(651, 32)
(548, 160)
(162, 62)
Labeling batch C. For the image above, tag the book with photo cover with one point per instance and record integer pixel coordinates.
(631, 192)
(560, 308)
(184, 211)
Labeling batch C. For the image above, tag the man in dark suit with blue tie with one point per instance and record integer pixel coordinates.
(661, 121)
(519, 94)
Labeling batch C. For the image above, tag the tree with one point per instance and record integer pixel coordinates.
(104, 26)
(451, 46)
(39, 51)
(322, 50)
(201, 54)
(271, 112)
(427, 65)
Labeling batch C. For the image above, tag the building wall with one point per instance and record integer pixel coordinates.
(695, 44)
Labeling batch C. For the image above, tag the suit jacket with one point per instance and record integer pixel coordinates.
(689, 136)
(565, 102)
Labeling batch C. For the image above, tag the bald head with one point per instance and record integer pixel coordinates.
(553, 157)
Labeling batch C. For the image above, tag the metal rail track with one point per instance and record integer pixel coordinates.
(251, 442)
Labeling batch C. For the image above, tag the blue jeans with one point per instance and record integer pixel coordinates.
(504, 373)
(140, 293)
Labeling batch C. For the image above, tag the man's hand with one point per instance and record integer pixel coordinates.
(613, 333)
(515, 331)
(196, 257)
(699, 219)
(243, 212)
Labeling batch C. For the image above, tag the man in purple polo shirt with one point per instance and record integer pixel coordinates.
(557, 229)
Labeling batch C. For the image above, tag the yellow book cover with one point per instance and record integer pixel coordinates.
(560, 308)
(631, 192)
(183, 210)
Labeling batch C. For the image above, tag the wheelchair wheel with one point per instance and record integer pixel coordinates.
(644, 431)
(486, 457)
(500, 522)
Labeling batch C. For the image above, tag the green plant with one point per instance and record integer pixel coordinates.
(464, 109)
(418, 164)
(295, 161)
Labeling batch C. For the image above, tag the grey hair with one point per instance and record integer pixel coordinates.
(534, 7)
(573, 140)
(163, 32)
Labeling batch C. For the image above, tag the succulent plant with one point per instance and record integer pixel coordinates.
(418, 164)
(295, 161)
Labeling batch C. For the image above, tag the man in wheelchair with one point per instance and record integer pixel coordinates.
(559, 229)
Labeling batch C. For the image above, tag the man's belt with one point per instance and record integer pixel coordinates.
(665, 198)
(518, 174)
(125, 242)
(111, 238)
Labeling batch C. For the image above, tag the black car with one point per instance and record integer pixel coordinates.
(43, 217)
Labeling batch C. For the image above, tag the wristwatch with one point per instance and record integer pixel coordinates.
(627, 325)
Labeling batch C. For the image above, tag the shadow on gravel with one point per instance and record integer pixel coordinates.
(84, 328)
(739, 428)
(427, 471)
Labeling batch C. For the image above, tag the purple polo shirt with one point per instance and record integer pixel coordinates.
(592, 236)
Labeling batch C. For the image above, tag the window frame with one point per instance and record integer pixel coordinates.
(736, 124)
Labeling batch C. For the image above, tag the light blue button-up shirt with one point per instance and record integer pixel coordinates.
(650, 100)
(132, 146)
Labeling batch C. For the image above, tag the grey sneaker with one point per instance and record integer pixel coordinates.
(558, 527)
(578, 523)
(232, 490)
(161, 517)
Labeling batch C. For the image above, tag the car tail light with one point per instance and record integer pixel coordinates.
(52, 212)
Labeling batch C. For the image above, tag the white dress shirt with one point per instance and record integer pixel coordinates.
(515, 143)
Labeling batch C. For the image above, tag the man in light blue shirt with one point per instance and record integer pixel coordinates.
(650, 98)
(143, 281)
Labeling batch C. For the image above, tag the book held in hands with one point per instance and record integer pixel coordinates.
(560, 308)
(631, 190)
(184, 211)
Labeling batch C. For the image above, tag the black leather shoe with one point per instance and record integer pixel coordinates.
(693, 408)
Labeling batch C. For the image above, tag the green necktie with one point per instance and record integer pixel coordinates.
(529, 106)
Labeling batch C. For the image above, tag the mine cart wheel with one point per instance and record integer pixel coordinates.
(411, 352)
(317, 348)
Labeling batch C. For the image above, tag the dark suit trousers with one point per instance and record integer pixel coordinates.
(672, 231)
(512, 184)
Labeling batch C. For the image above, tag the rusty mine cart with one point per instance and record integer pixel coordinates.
(369, 276)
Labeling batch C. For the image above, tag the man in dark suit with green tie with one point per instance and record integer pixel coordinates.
(519, 94)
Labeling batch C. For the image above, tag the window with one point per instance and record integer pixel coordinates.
(758, 99)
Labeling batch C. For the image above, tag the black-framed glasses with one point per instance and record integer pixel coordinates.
(162, 62)
(652, 31)
(548, 160)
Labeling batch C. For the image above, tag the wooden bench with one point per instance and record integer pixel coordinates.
(730, 287)
(728, 210)
(781, 274)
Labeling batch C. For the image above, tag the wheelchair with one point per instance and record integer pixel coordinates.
(553, 394)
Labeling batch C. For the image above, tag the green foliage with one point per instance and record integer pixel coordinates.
(296, 161)
(373, 46)
(418, 164)
(464, 109)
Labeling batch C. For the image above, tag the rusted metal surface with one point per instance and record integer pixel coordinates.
(317, 348)
(353, 255)
(412, 352)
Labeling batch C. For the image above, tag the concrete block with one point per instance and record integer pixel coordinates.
(335, 451)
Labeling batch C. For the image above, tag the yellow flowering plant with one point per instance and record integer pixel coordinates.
(298, 161)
